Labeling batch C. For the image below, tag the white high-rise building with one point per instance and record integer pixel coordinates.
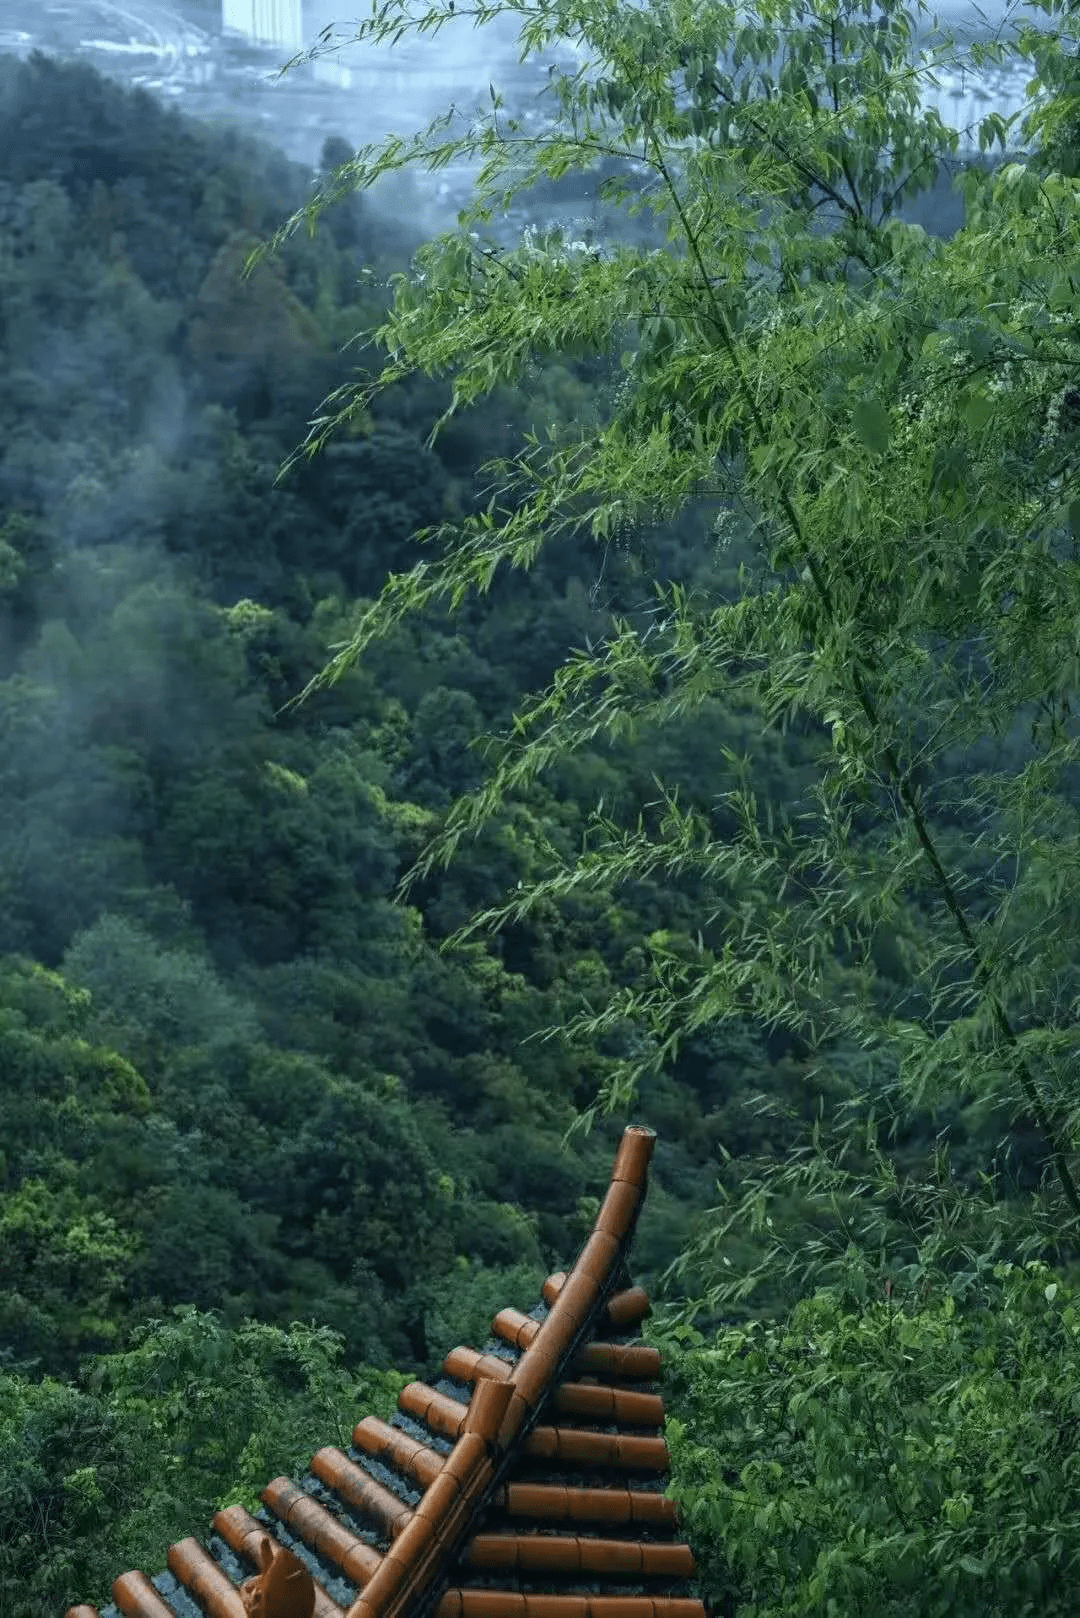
(267, 22)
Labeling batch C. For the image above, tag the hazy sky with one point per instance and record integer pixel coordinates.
(460, 38)
(423, 74)
(397, 90)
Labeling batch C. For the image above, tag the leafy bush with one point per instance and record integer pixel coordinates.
(913, 1456)
(102, 1477)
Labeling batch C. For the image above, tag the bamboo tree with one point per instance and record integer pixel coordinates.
(888, 415)
(892, 422)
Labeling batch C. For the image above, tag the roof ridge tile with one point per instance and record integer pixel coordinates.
(503, 1430)
(359, 1490)
(377, 1439)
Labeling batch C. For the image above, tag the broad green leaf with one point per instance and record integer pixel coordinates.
(870, 420)
(978, 409)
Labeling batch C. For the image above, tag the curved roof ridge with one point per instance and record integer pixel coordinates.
(501, 1412)
(432, 1547)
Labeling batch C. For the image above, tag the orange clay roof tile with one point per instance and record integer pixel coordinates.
(583, 1448)
(541, 1553)
(631, 1362)
(396, 1449)
(468, 1366)
(624, 1309)
(597, 1257)
(420, 1560)
(136, 1597)
(553, 1286)
(320, 1531)
(468, 1604)
(488, 1409)
(443, 1415)
(628, 1309)
(593, 1401)
(536, 1372)
(575, 1301)
(244, 1535)
(353, 1484)
(559, 1503)
(617, 1207)
(203, 1578)
(515, 1328)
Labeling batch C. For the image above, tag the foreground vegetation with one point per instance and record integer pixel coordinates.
(787, 853)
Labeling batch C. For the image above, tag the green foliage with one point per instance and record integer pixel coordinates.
(63, 1269)
(255, 1087)
(790, 836)
(193, 1415)
(889, 420)
(914, 1454)
(462, 1303)
(240, 1405)
(871, 411)
(149, 1001)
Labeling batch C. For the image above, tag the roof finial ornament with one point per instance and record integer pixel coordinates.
(282, 1588)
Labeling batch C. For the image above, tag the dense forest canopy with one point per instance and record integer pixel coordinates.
(781, 516)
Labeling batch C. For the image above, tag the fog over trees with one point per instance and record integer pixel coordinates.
(460, 690)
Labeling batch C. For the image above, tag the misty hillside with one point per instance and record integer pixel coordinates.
(238, 1077)
(219, 876)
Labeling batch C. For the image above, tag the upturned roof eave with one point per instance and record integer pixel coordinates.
(544, 1411)
(501, 1414)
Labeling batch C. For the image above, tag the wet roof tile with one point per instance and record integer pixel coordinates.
(551, 1482)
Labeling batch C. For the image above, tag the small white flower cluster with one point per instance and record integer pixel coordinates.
(723, 527)
(1062, 415)
(914, 412)
(535, 245)
(1024, 311)
(623, 533)
(935, 409)
(772, 322)
(621, 391)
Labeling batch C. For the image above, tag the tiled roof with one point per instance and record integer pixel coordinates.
(527, 1483)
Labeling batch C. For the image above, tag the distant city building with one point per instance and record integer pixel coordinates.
(266, 22)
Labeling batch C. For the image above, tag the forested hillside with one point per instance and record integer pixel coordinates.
(236, 1076)
(246, 1085)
